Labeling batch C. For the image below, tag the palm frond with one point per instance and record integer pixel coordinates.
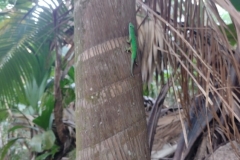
(25, 47)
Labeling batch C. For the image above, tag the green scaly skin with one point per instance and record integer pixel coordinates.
(133, 42)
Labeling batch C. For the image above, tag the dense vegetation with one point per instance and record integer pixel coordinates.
(198, 55)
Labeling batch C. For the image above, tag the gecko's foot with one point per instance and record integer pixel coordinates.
(127, 49)
(132, 74)
(128, 41)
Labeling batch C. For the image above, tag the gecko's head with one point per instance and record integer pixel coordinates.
(131, 25)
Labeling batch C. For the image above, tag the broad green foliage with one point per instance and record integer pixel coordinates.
(45, 119)
(24, 53)
(44, 141)
(34, 92)
(26, 63)
(41, 142)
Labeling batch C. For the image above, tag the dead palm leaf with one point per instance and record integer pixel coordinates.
(189, 37)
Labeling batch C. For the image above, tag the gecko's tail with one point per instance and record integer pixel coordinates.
(132, 65)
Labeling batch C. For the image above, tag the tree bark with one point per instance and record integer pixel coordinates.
(110, 117)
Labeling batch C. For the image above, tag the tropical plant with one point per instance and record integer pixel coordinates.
(30, 36)
(186, 43)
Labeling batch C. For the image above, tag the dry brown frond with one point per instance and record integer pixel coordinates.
(190, 38)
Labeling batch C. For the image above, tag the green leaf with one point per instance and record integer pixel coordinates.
(71, 73)
(34, 91)
(43, 156)
(69, 95)
(36, 143)
(6, 147)
(44, 141)
(236, 4)
(48, 140)
(3, 115)
(44, 120)
(52, 152)
(230, 36)
(64, 82)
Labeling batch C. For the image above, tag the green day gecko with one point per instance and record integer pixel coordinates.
(133, 45)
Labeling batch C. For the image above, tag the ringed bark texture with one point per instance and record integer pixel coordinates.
(110, 117)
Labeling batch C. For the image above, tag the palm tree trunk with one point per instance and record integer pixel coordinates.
(110, 115)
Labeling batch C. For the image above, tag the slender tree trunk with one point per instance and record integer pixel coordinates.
(110, 119)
